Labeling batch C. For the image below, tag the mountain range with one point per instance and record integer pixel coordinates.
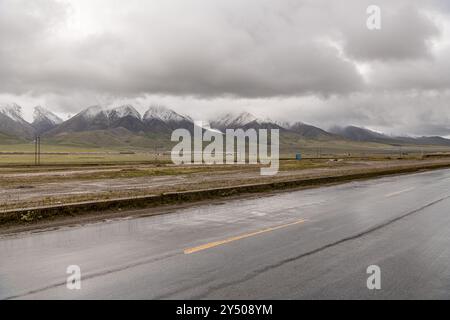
(120, 125)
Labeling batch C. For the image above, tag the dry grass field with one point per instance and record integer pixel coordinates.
(25, 186)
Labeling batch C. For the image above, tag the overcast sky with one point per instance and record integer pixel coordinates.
(308, 60)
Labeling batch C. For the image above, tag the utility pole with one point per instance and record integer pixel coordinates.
(37, 150)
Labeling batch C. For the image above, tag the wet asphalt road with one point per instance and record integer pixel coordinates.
(309, 244)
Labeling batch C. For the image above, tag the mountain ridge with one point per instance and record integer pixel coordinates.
(159, 119)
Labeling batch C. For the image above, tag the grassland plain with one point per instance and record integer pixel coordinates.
(100, 147)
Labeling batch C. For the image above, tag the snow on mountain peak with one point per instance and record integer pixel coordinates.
(124, 111)
(92, 111)
(13, 111)
(241, 119)
(42, 114)
(119, 112)
(163, 113)
(245, 118)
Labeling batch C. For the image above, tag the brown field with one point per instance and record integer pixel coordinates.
(25, 186)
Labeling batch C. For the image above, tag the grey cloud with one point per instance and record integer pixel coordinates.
(261, 51)
(404, 34)
(247, 49)
(264, 54)
(431, 74)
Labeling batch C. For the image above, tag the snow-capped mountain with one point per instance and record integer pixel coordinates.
(91, 112)
(125, 116)
(164, 114)
(110, 112)
(156, 120)
(42, 114)
(12, 111)
(101, 118)
(12, 122)
(44, 120)
(231, 121)
(162, 119)
(123, 111)
(244, 121)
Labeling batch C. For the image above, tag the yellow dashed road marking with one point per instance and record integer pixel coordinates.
(247, 235)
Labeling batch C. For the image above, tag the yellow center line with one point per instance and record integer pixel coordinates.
(225, 241)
